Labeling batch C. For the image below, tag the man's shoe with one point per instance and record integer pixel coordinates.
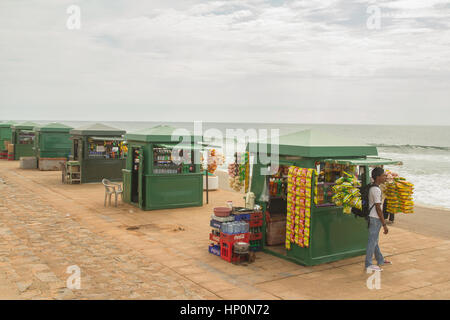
(371, 268)
(385, 262)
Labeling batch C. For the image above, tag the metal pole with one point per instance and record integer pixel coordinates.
(207, 187)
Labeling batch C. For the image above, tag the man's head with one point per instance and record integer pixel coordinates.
(378, 175)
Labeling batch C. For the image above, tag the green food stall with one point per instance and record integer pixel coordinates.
(332, 235)
(52, 145)
(156, 178)
(5, 137)
(98, 151)
(23, 139)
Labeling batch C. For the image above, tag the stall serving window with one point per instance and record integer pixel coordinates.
(105, 148)
(328, 174)
(166, 160)
(26, 137)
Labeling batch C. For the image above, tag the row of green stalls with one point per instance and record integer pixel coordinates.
(5, 138)
(333, 235)
(98, 151)
(52, 143)
(23, 135)
(161, 173)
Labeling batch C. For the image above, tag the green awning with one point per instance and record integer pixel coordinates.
(369, 161)
(180, 146)
(106, 138)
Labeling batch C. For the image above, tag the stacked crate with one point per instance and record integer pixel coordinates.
(227, 242)
(256, 225)
(10, 152)
(222, 242)
(214, 237)
(255, 221)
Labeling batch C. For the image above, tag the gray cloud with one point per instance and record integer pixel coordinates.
(208, 59)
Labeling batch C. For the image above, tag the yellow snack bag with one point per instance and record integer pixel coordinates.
(347, 209)
(288, 245)
(307, 203)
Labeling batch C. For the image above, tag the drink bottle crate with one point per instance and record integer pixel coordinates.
(214, 249)
(242, 217)
(214, 238)
(255, 223)
(256, 215)
(255, 236)
(215, 224)
(226, 244)
(226, 250)
(240, 237)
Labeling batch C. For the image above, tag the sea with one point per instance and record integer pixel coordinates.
(424, 150)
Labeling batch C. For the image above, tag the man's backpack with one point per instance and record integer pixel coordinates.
(365, 210)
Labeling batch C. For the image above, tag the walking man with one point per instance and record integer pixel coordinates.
(376, 221)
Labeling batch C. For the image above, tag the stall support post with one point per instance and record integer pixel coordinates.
(207, 189)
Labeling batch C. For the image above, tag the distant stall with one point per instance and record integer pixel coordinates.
(52, 145)
(97, 152)
(23, 139)
(153, 179)
(5, 138)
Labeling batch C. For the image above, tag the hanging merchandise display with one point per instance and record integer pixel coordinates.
(329, 176)
(213, 160)
(398, 193)
(238, 171)
(105, 148)
(347, 193)
(298, 220)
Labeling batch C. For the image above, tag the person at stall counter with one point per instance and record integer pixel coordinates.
(376, 221)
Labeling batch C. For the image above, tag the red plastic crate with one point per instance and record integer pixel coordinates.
(214, 238)
(255, 236)
(214, 249)
(255, 223)
(226, 250)
(240, 237)
(226, 244)
(256, 215)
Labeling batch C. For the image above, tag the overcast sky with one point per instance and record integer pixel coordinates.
(311, 61)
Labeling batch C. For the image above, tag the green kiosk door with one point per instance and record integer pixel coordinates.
(137, 171)
(141, 184)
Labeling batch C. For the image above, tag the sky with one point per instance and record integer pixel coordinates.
(316, 61)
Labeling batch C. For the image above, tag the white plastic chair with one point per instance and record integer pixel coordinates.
(110, 188)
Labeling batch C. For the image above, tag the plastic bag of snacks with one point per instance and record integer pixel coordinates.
(346, 193)
(238, 172)
(398, 194)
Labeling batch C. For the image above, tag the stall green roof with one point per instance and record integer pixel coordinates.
(314, 143)
(25, 126)
(7, 124)
(369, 161)
(54, 127)
(161, 134)
(98, 129)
